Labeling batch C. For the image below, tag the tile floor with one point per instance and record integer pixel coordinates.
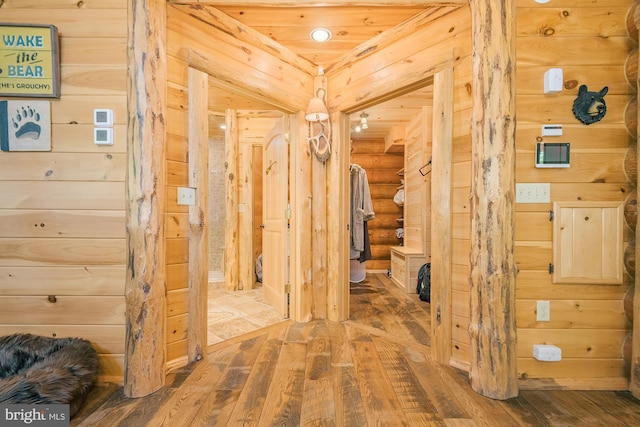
(236, 313)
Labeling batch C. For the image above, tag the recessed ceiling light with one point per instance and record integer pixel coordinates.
(542, 1)
(320, 35)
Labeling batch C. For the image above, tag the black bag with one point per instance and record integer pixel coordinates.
(423, 288)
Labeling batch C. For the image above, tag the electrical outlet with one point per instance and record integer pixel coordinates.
(533, 192)
(543, 311)
(186, 196)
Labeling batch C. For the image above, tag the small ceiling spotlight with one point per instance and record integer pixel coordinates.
(357, 129)
(223, 126)
(363, 120)
(320, 35)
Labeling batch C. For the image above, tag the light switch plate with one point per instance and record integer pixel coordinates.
(533, 192)
(186, 196)
(543, 311)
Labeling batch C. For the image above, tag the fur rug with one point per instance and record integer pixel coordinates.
(36, 369)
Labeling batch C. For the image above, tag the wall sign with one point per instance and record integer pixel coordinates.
(25, 125)
(29, 60)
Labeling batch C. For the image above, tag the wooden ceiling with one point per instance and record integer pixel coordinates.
(351, 26)
(291, 26)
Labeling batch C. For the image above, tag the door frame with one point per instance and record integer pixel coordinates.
(198, 265)
(442, 133)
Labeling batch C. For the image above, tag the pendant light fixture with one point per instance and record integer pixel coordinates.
(363, 120)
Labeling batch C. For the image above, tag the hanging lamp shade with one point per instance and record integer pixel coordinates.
(317, 110)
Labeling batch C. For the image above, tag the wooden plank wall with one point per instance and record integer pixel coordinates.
(62, 233)
(589, 41)
(383, 180)
(177, 216)
(417, 151)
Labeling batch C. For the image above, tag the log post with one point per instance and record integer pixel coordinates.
(493, 370)
(145, 192)
(634, 380)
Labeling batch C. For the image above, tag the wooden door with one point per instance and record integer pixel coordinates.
(588, 242)
(275, 219)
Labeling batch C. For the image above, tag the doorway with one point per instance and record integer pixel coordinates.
(391, 142)
(239, 307)
(436, 168)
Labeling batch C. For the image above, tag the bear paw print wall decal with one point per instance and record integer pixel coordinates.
(589, 107)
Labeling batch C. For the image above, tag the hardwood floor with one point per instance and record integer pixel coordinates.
(374, 369)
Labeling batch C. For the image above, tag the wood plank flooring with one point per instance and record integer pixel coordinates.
(372, 370)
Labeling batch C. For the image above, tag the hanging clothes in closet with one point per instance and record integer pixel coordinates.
(361, 213)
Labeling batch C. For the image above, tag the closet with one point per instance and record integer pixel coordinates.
(361, 213)
(407, 258)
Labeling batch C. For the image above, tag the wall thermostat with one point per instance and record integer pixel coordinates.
(551, 130)
(103, 136)
(103, 117)
(552, 155)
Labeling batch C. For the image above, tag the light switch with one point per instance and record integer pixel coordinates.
(186, 196)
(533, 192)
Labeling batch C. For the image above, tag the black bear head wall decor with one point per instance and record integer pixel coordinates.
(589, 107)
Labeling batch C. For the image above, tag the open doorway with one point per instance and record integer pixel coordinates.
(238, 307)
(392, 142)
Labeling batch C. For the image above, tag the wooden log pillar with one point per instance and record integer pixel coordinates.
(231, 244)
(634, 380)
(493, 370)
(198, 221)
(145, 284)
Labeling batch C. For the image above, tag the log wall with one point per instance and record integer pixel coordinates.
(62, 233)
(590, 42)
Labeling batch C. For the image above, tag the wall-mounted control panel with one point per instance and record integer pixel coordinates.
(551, 130)
(552, 155)
(103, 117)
(103, 132)
(103, 136)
